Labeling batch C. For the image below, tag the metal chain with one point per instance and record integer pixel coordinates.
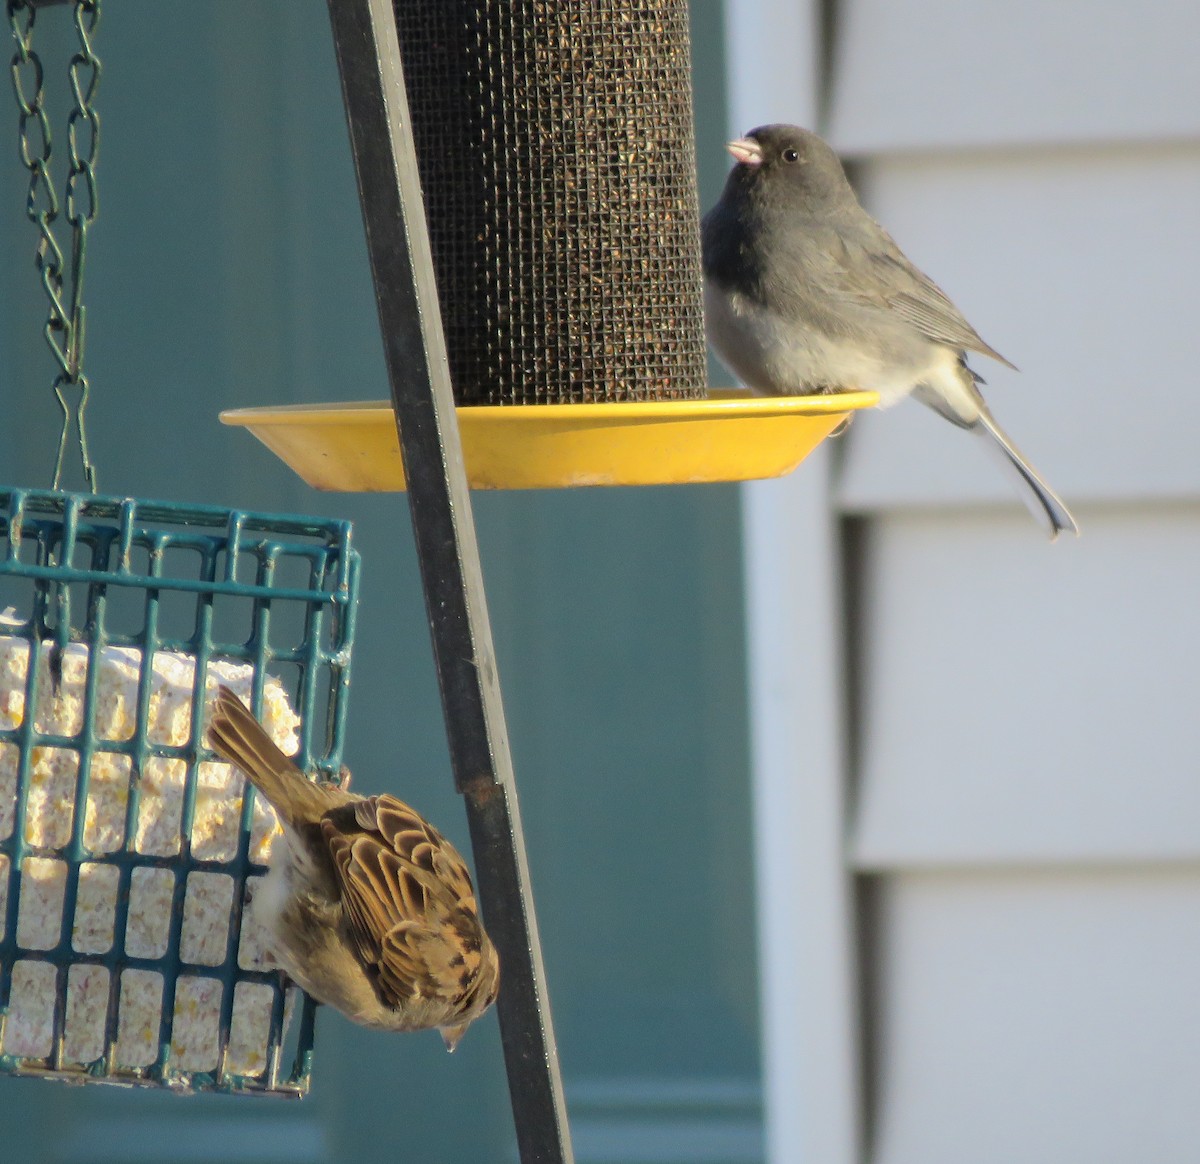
(65, 328)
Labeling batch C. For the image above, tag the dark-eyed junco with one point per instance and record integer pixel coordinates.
(368, 907)
(805, 292)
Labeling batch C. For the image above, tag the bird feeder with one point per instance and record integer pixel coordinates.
(557, 166)
(539, 293)
(127, 853)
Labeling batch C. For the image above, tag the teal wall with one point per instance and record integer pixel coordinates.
(228, 268)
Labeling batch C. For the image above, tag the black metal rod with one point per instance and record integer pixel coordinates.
(364, 33)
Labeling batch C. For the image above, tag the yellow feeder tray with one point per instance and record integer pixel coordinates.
(731, 436)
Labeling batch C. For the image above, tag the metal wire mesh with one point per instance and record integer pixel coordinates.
(557, 158)
(91, 587)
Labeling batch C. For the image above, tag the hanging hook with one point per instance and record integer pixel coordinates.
(78, 413)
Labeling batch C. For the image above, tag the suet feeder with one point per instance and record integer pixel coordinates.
(126, 854)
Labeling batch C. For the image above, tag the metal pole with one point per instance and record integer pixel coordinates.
(368, 51)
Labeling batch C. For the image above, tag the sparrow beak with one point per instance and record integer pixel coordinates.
(451, 1035)
(746, 151)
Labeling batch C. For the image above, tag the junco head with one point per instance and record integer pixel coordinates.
(368, 907)
(805, 292)
(792, 165)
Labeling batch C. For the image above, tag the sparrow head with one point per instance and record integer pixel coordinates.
(787, 165)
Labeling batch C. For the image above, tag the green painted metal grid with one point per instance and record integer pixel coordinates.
(65, 558)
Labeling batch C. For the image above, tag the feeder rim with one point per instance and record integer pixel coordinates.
(719, 402)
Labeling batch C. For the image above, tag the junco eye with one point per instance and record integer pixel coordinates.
(790, 155)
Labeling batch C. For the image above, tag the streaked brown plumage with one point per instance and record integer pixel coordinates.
(370, 909)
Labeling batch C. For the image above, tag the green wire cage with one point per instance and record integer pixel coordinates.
(127, 851)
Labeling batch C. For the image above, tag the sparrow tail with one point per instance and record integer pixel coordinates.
(239, 739)
(1041, 500)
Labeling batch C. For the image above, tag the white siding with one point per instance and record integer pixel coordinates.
(1045, 1018)
(964, 73)
(1021, 845)
(1025, 702)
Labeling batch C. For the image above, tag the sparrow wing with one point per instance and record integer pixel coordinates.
(408, 899)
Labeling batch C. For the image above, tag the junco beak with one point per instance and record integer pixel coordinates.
(746, 151)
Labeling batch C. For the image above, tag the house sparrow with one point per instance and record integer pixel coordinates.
(805, 292)
(368, 907)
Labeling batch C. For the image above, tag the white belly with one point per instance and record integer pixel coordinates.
(773, 359)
